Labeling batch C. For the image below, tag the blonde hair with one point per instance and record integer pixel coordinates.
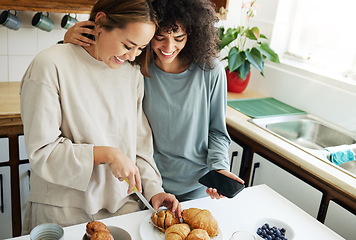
(121, 12)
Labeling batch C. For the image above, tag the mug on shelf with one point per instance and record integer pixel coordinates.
(68, 21)
(10, 20)
(42, 22)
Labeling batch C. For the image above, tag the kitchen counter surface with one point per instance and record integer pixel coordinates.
(328, 172)
(9, 99)
(247, 211)
(10, 103)
(325, 170)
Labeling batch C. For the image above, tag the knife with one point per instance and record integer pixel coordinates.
(142, 198)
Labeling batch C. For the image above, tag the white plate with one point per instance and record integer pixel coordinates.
(117, 233)
(276, 223)
(149, 232)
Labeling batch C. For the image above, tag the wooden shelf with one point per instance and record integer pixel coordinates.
(60, 6)
(64, 6)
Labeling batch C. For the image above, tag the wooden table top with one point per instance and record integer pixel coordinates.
(10, 104)
(9, 98)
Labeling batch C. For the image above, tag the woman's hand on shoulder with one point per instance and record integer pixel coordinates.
(169, 201)
(74, 34)
(213, 193)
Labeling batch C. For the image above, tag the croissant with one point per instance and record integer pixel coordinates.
(164, 219)
(102, 235)
(198, 234)
(178, 231)
(201, 219)
(96, 226)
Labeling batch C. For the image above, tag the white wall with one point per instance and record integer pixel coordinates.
(313, 93)
(18, 48)
(322, 96)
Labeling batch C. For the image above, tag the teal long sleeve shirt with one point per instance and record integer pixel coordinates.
(186, 112)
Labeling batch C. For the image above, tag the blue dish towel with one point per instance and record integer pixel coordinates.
(340, 154)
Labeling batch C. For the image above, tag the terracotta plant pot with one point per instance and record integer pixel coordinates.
(235, 83)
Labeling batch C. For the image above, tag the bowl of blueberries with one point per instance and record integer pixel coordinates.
(274, 229)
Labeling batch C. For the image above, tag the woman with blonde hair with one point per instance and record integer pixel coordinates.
(84, 127)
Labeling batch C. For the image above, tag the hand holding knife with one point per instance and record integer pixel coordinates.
(142, 198)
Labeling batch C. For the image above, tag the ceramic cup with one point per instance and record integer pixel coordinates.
(242, 235)
(42, 22)
(10, 20)
(68, 21)
(47, 231)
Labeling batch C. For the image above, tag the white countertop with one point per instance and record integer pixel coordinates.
(246, 211)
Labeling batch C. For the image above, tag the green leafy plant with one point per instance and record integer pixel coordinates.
(240, 57)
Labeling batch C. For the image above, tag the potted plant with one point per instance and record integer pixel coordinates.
(247, 46)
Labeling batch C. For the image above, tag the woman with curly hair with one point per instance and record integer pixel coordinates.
(185, 97)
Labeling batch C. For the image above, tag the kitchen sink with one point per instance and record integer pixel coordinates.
(307, 132)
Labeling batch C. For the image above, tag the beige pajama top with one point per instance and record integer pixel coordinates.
(71, 102)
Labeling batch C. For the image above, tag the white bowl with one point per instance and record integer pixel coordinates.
(278, 224)
(47, 231)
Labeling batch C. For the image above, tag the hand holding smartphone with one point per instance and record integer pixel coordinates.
(224, 185)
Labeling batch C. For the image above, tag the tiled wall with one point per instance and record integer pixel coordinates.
(18, 48)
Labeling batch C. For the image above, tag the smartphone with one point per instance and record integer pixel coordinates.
(223, 184)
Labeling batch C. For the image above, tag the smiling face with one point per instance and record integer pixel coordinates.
(167, 45)
(119, 45)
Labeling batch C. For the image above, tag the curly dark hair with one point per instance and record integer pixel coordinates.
(198, 18)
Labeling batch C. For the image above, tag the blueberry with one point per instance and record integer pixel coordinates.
(268, 232)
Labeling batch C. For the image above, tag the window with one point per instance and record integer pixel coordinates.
(323, 34)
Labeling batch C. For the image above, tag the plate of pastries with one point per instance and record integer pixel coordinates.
(97, 230)
(195, 224)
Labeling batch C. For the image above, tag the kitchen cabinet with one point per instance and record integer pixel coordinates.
(10, 130)
(341, 221)
(24, 179)
(295, 190)
(4, 149)
(5, 203)
(235, 156)
(22, 149)
(65, 6)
